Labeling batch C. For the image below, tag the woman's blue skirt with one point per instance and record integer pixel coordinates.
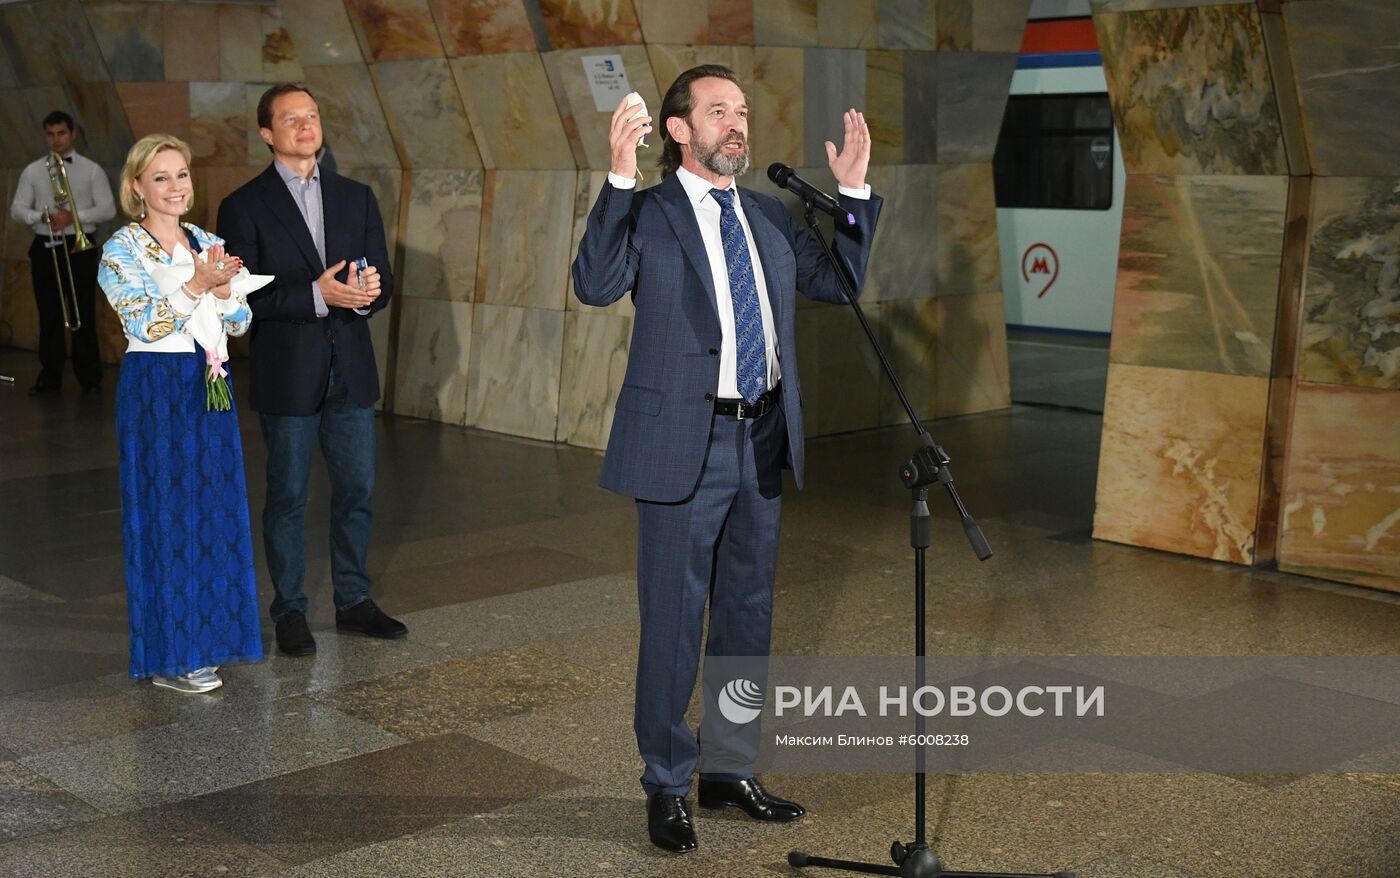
(190, 584)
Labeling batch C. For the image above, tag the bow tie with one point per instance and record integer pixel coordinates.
(68, 159)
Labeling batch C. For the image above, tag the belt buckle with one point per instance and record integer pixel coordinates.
(739, 409)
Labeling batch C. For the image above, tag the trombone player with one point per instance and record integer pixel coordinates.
(63, 197)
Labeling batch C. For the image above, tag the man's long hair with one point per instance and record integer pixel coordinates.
(679, 102)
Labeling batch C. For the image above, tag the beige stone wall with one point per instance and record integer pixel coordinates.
(1251, 413)
(473, 122)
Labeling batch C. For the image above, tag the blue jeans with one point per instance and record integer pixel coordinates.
(345, 432)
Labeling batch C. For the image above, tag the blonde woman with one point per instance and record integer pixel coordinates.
(190, 583)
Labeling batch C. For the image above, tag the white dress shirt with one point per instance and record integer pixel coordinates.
(707, 214)
(92, 195)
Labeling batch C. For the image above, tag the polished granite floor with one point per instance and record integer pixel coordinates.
(496, 740)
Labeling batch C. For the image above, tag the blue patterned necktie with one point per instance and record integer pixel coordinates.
(750, 351)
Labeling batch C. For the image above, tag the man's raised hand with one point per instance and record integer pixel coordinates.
(629, 126)
(849, 165)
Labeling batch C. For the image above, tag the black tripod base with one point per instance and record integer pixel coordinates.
(911, 861)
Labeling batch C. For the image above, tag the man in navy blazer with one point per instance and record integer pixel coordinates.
(314, 378)
(710, 410)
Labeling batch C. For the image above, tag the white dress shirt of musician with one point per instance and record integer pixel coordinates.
(92, 192)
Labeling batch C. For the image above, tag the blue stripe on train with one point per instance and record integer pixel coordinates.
(1059, 59)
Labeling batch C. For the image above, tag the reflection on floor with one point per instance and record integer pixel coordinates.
(1062, 369)
(496, 740)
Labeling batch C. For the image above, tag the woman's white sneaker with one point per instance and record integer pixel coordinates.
(203, 680)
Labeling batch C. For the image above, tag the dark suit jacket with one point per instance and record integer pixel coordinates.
(649, 242)
(290, 346)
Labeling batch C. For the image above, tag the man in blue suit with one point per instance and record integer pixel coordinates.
(314, 378)
(710, 410)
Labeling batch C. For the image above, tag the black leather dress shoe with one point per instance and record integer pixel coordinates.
(366, 618)
(669, 824)
(294, 635)
(750, 797)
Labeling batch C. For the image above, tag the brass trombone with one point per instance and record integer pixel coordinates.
(63, 195)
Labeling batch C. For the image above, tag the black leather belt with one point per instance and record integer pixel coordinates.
(738, 408)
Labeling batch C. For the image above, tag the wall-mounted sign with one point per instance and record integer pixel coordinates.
(607, 79)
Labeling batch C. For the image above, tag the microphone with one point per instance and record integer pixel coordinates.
(787, 178)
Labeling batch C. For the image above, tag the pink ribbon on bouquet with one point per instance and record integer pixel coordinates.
(216, 364)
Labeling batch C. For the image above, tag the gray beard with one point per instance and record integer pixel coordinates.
(712, 159)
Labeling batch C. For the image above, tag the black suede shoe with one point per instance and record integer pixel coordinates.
(294, 635)
(669, 824)
(750, 797)
(367, 618)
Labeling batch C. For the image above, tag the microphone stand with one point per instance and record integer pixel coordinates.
(927, 466)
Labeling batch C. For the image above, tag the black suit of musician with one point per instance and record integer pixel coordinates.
(314, 378)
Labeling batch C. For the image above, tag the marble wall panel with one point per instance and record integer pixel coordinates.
(884, 105)
(191, 42)
(972, 91)
(218, 123)
(529, 225)
(785, 23)
(1198, 273)
(352, 117)
(1168, 119)
(442, 234)
(106, 136)
(594, 363)
(1343, 476)
(212, 186)
(431, 376)
(515, 361)
(17, 307)
(1290, 108)
(483, 27)
(16, 235)
(908, 24)
(554, 71)
(1351, 304)
(510, 130)
(280, 60)
(999, 26)
(920, 91)
(840, 373)
(1140, 5)
(575, 24)
(848, 24)
(833, 82)
(240, 43)
(425, 109)
(969, 256)
(732, 22)
(592, 127)
(51, 43)
(26, 140)
(156, 106)
(321, 32)
(1180, 461)
(8, 77)
(259, 154)
(971, 371)
(41, 100)
(395, 30)
(386, 184)
(1344, 56)
(777, 117)
(132, 39)
(669, 62)
(954, 25)
(664, 21)
(909, 334)
(904, 255)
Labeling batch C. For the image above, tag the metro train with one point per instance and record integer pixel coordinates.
(1059, 179)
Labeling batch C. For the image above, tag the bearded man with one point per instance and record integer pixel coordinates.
(710, 410)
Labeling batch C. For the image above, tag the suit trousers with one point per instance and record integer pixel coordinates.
(719, 545)
(53, 341)
(345, 432)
